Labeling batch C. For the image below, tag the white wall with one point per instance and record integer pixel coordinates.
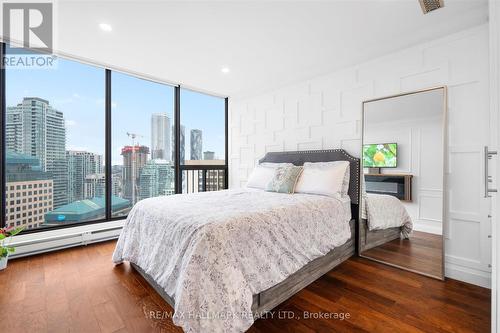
(325, 112)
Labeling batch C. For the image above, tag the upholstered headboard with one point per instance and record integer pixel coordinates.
(299, 157)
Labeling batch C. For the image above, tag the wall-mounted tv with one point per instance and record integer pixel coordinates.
(380, 155)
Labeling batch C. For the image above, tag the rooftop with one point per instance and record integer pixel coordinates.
(85, 209)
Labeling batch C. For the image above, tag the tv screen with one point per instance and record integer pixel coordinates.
(380, 155)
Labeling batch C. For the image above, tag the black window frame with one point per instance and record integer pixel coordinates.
(108, 144)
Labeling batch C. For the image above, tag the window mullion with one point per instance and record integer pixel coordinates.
(177, 132)
(2, 136)
(107, 151)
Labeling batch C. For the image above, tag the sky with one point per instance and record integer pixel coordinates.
(78, 91)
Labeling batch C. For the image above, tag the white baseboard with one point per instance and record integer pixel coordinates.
(428, 226)
(465, 274)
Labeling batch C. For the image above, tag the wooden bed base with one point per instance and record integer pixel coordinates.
(270, 298)
(370, 239)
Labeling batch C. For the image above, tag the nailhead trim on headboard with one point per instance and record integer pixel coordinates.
(325, 155)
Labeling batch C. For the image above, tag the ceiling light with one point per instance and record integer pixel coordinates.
(225, 70)
(105, 27)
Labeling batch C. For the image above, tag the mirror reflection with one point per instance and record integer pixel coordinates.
(403, 168)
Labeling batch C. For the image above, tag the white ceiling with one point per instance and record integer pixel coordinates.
(266, 44)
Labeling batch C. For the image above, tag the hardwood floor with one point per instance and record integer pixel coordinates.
(423, 252)
(80, 290)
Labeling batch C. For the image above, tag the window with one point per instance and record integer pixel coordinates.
(55, 140)
(202, 124)
(63, 124)
(202, 142)
(142, 141)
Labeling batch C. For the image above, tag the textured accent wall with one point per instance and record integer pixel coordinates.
(325, 112)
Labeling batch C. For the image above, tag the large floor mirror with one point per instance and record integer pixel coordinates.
(403, 183)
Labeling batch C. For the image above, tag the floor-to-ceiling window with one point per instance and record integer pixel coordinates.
(83, 144)
(202, 142)
(143, 163)
(55, 139)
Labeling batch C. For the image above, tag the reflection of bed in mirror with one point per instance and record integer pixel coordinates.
(390, 238)
(372, 238)
(384, 219)
(403, 149)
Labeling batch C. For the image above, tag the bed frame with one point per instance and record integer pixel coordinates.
(268, 299)
(370, 239)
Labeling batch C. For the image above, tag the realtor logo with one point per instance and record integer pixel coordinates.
(28, 25)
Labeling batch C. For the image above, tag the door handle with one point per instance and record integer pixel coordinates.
(488, 154)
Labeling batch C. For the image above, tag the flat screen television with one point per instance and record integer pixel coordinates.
(380, 155)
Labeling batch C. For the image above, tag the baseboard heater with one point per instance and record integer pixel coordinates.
(64, 241)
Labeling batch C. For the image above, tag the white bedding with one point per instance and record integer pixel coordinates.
(212, 251)
(385, 211)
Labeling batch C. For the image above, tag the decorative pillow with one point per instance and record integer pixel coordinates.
(263, 173)
(260, 177)
(284, 180)
(325, 178)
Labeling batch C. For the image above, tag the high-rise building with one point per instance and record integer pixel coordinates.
(209, 155)
(195, 181)
(182, 144)
(28, 194)
(117, 184)
(196, 144)
(160, 136)
(94, 185)
(80, 165)
(215, 180)
(134, 158)
(156, 178)
(117, 180)
(35, 128)
(14, 129)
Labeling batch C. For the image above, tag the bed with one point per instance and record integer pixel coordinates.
(241, 252)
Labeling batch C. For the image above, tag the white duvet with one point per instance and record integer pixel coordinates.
(212, 251)
(386, 211)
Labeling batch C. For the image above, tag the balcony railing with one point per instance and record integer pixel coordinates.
(203, 178)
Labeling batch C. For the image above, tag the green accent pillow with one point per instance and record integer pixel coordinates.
(284, 179)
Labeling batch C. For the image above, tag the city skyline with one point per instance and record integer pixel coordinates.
(196, 152)
(55, 139)
(78, 91)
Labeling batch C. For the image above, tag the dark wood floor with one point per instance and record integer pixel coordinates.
(80, 290)
(423, 252)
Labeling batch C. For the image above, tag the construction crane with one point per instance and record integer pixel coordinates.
(133, 136)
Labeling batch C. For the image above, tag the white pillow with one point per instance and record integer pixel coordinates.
(325, 178)
(263, 173)
(275, 165)
(260, 177)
